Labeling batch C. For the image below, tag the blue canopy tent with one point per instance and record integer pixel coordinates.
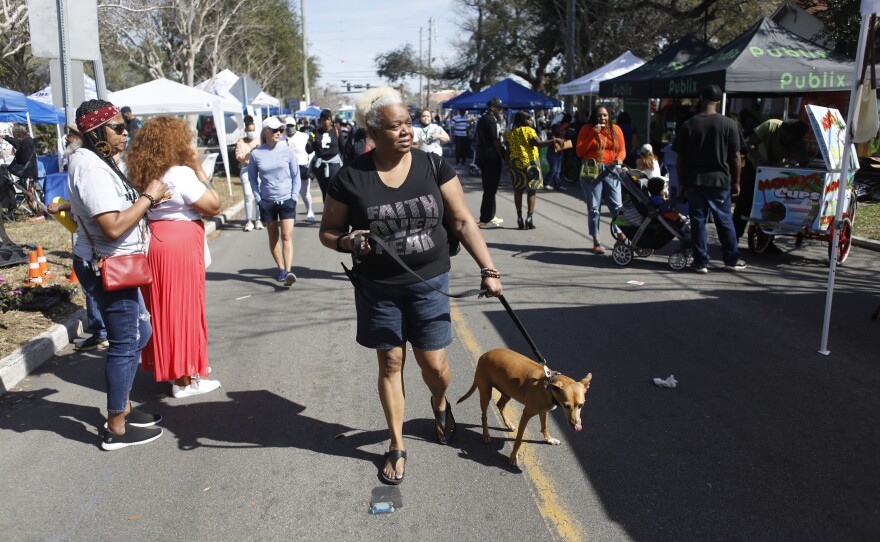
(450, 103)
(514, 96)
(310, 112)
(12, 101)
(40, 113)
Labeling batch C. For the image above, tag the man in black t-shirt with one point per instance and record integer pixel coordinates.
(708, 146)
(491, 156)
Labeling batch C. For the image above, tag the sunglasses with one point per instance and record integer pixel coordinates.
(277, 130)
(118, 128)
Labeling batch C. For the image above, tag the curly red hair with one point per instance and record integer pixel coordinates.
(160, 144)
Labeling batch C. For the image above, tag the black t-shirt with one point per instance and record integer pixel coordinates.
(704, 143)
(409, 217)
(326, 144)
(487, 132)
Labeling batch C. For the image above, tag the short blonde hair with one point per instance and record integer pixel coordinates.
(368, 104)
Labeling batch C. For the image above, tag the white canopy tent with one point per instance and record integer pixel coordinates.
(221, 84)
(589, 83)
(164, 97)
(45, 95)
(868, 8)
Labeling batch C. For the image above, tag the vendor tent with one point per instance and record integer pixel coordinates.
(12, 101)
(514, 96)
(45, 95)
(766, 59)
(164, 97)
(39, 112)
(637, 83)
(222, 83)
(450, 104)
(589, 83)
(309, 112)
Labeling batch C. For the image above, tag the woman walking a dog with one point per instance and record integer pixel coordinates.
(395, 193)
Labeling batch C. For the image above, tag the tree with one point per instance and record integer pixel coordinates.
(397, 63)
(527, 38)
(18, 68)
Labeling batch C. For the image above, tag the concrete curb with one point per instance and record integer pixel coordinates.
(17, 365)
(20, 363)
(869, 244)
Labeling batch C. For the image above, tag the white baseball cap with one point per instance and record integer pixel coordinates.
(272, 123)
(290, 121)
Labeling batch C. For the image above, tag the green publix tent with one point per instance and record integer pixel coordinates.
(767, 59)
(637, 83)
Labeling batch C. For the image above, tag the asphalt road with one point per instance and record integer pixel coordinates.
(763, 439)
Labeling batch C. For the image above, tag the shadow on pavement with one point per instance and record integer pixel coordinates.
(764, 438)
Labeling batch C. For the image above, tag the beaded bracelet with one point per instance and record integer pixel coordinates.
(149, 197)
(489, 273)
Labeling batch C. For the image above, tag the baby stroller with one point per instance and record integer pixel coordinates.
(645, 227)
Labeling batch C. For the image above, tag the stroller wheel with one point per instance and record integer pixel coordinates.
(622, 254)
(644, 252)
(473, 170)
(678, 260)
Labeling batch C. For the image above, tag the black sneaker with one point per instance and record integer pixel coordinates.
(91, 343)
(701, 269)
(132, 437)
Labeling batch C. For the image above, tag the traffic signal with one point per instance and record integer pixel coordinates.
(348, 87)
(368, 86)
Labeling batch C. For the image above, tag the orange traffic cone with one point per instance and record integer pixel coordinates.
(73, 278)
(34, 274)
(44, 265)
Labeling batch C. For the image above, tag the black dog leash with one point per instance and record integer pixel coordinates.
(393, 253)
(468, 293)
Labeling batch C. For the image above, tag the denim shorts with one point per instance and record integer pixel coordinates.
(270, 211)
(390, 315)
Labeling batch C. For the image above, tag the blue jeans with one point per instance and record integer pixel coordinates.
(555, 161)
(93, 317)
(605, 189)
(128, 330)
(701, 200)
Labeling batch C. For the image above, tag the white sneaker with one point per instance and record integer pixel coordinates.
(258, 225)
(497, 220)
(248, 226)
(310, 218)
(290, 279)
(196, 387)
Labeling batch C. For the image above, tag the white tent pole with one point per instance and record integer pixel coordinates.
(723, 103)
(841, 190)
(59, 135)
(220, 126)
(27, 115)
(648, 124)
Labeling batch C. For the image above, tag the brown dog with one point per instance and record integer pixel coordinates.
(520, 378)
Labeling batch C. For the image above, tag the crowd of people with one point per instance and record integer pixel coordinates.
(389, 199)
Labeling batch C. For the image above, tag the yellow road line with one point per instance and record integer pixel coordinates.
(555, 513)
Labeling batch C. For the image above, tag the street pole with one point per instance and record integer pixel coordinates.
(64, 60)
(570, 51)
(420, 65)
(430, 35)
(306, 93)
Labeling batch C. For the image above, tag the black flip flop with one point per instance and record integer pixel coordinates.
(444, 418)
(394, 456)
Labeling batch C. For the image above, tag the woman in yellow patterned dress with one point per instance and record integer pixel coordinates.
(525, 165)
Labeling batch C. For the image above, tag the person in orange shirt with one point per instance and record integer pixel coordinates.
(603, 142)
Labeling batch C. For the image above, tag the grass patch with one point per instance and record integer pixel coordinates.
(868, 220)
(18, 327)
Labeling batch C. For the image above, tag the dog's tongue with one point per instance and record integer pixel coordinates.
(577, 427)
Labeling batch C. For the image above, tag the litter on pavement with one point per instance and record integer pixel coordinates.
(669, 382)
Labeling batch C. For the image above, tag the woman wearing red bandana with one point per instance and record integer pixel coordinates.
(110, 218)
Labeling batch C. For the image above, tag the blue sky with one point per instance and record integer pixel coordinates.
(346, 35)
